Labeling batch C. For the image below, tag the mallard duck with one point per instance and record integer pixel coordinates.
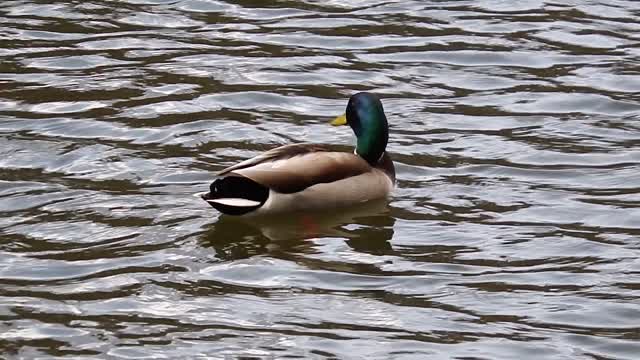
(310, 176)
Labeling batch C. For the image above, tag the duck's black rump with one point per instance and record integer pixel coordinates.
(236, 195)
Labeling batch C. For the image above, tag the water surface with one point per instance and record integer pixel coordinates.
(513, 232)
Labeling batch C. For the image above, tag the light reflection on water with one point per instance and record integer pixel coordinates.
(513, 232)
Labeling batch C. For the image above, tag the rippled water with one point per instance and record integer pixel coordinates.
(513, 233)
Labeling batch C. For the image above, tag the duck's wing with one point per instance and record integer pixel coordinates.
(292, 168)
(279, 153)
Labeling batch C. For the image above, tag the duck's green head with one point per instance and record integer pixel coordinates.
(366, 117)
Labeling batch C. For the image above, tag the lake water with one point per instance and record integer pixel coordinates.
(513, 233)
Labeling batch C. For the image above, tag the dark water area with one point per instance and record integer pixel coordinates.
(513, 233)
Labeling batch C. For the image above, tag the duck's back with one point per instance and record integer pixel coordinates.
(290, 174)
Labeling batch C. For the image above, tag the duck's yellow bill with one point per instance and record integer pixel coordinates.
(340, 120)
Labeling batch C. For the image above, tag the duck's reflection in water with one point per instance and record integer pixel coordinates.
(365, 228)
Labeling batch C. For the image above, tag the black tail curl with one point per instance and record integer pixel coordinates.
(236, 187)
